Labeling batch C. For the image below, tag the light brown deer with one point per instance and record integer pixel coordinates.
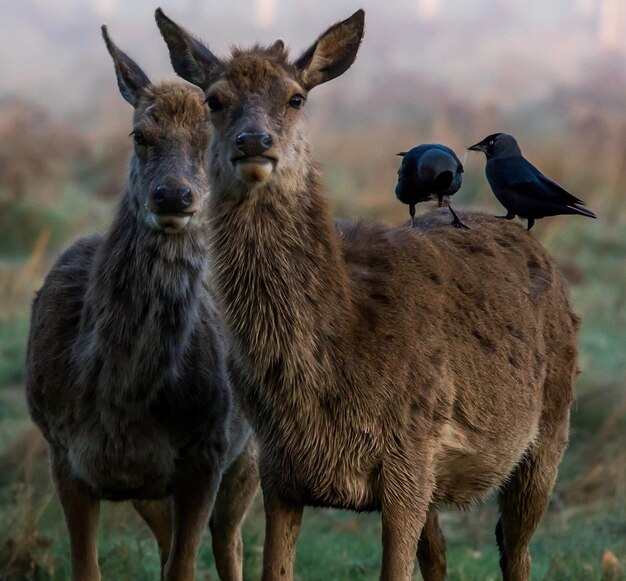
(387, 369)
(126, 370)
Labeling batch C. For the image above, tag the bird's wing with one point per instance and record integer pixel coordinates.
(406, 167)
(567, 198)
(512, 170)
(454, 155)
(519, 175)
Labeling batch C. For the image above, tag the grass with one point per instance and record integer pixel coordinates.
(333, 545)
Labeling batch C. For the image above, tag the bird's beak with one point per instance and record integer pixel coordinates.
(476, 147)
(401, 154)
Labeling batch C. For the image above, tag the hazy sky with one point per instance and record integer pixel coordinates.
(484, 50)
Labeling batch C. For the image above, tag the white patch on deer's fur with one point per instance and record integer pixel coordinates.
(170, 224)
(534, 434)
(453, 438)
(256, 172)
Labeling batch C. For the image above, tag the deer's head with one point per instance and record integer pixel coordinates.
(168, 181)
(256, 96)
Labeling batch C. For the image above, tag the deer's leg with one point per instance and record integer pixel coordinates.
(402, 525)
(282, 526)
(81, 512)
(157, 514)
(193, 496)
(237, 489)
(431, 549)
(406, 496)
(525, 498)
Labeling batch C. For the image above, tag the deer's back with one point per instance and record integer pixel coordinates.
(457, 332)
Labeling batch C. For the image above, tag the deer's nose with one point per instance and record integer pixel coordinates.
(253, 142)
(171, 200)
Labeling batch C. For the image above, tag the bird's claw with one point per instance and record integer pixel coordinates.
(457, 222)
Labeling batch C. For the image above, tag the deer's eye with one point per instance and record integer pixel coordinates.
(214, 103)
(139, 138)
(296, 101)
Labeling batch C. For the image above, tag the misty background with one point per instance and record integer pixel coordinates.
(552, 73)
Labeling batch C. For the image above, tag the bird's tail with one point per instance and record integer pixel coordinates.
(578, 209)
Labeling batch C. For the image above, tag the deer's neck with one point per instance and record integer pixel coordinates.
(279, 279)
(140, 308)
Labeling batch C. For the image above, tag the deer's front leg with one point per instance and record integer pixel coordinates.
(282, 526)
(81, 511)
(406, 496)
(192, 501)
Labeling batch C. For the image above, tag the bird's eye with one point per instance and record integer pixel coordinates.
(296, 101)
(214, 103)
(491, 142)
(139, 139)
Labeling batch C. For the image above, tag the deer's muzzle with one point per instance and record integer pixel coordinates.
(253, 143)
(172, 206)
(252, 157)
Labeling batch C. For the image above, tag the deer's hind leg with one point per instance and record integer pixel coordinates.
(157, 514)
(431, 549)
(237, 489)
(81, 511)
(524, 499)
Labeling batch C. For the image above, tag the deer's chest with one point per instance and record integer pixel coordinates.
(323, 465)
(132, 460)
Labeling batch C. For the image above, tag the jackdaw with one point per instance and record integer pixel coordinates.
(520, 187)
(429, 171)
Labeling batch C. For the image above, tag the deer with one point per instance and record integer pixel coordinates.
(382, 368)
(126, 371)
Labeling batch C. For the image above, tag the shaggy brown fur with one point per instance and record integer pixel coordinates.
(382, 368)
(126, 372)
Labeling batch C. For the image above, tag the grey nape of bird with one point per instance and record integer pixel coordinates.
(429, 171)
(520, 187)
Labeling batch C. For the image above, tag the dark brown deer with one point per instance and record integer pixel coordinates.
(387, 369)
(126, 371)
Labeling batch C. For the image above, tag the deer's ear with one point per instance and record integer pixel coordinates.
(131, 80)
(191, 60)
(333, 52)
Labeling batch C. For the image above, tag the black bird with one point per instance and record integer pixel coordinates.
(520, 187)
(429, 171)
